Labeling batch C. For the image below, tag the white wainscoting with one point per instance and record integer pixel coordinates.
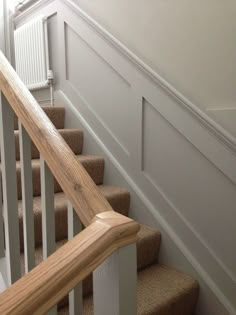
(179, 165)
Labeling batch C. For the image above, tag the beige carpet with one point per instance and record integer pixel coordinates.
(161, 290)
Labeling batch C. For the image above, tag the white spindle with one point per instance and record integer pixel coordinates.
(114, 283)
(8, 166)
(48, 215)
(2, 249)
(27, 198)
(76, 295)
(47, 204)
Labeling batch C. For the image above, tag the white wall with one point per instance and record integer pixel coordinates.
(6, 30)
(181, 172)
(190, 43)
(2, 37)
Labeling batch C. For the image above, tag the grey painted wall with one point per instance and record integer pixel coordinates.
(2, 27)
(6, 30)
(190, 43)
(181, 176)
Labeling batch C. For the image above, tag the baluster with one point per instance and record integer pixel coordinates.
(47, 204)
(114, 283)
(27, 198)
(2, 249)
(76, 295)
(8, 166)
(48, 215)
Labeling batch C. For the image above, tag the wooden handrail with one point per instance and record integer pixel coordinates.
(106, 230)
(55, 277)
(70, 174)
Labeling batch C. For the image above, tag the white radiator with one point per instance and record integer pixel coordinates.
(31, 53)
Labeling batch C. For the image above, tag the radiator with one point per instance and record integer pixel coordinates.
(31, 53)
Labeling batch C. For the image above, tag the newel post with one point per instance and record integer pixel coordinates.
(115, 283)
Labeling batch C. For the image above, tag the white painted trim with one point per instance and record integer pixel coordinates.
(23, 5)
(217, 138)
(222, 135)
(216, 109)
(195, 132)
(197, 113)
(64, 101)
(20, 16)
(183, 116)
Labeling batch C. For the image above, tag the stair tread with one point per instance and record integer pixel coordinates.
(119, 198)
(109, 192)
(121, 195)
(161, 291)
(149, 241)
(93, 164)
(61, 130)
(56, 114)
(80, 157)
(73, 137)
(148, 245)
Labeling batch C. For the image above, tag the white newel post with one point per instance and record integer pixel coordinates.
(115, 283)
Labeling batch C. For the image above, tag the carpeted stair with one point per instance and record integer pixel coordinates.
(161, 290)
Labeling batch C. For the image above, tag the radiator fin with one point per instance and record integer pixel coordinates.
(31, 53)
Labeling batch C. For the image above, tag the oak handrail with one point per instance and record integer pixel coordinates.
(105, 231)
(68, 171)
(50, 281)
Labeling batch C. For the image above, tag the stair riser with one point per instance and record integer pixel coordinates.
(163, 292)
(55, 114)
(61, 219)
(147, 254)
(182, 305)
(141, 251)
(94, 168)
(73, 138)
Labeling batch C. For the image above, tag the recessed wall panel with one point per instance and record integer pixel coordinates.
(104, 91)
(174, 166)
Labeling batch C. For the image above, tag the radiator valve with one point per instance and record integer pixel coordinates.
(50, 75)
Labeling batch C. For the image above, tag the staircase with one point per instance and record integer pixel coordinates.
(161, 290)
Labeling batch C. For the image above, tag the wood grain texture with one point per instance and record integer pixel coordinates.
(46, 284)
(74, 180)
(43, 287)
